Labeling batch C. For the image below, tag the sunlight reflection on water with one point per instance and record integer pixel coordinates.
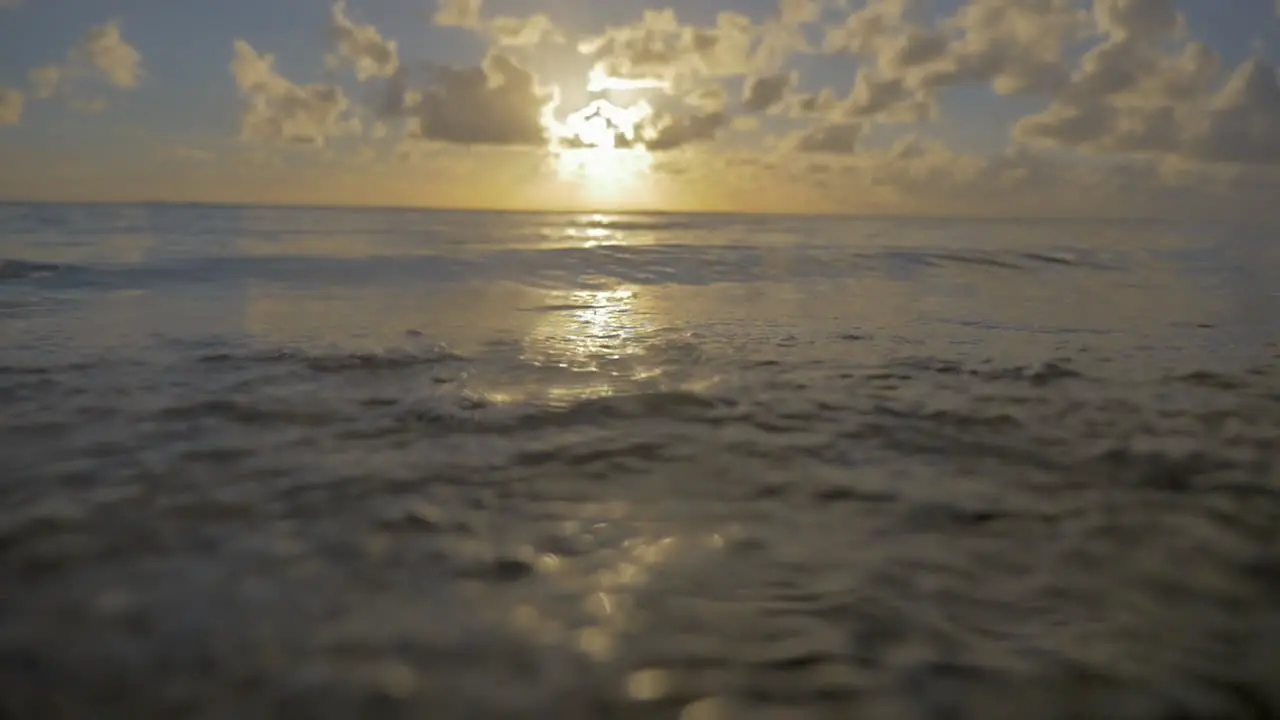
(729, 465)
(586, 329)
(603, 588)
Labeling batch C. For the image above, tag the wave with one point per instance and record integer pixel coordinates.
(339, 362)
(561, 268)
(23, 269)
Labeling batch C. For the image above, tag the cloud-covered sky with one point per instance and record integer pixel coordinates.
(999, 107)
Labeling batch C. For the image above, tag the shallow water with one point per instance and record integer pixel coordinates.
(320, 463)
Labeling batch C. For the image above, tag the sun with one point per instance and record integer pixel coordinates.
(605, 174)
(602, 145)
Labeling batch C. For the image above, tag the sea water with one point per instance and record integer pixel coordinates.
(326, 463)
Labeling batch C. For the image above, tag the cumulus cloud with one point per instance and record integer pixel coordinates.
(1138, 20)
(1013, 47)
(277, 110)
(868, 29)
(659, 46)
(523, 32)
(886, 100)
(1240, 123)
(499, 103)
(11, 106)
(818, 103)
(102, 55)
(1016, 47)
(839, 138)
(708, 99)
(761, 93)
(799, 12)
(118, 62)
(458, 13)
(669, 132)
(783, 35)
(1142, 87)
(361, 45)
(504, 31)
(1149, 90)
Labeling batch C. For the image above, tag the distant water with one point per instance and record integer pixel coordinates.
(336, 464)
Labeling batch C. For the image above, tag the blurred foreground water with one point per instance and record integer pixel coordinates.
(333, 464)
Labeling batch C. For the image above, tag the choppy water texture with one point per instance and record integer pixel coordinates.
(326, 464)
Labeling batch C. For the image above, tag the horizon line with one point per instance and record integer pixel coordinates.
(835, 215)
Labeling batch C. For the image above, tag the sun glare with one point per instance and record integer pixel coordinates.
(607, 174)
(600, 81)
(602, 124)
(601, 146)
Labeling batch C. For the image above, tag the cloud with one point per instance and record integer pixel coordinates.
(669, 132)
(834, 138)
(503, 31)
(1142, 88)
(499, 103)
(1138, 20)
(361, 45)
(708, 99)
(886, 100)
(1242, 124)
(12, 103)
(115, 60)
(783, 35)
(1238, 124)
(866, 31)
(102, 55)
(819, 103)
(458, 13)
(10, 4)
(658, 46)
(917, 175)
(45, 81)
(764, 92)
(1149, 90)
(524, 32)
(799, 12)
(1013, 47)
(277, 110)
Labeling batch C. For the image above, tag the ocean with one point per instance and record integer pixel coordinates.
(325, 463)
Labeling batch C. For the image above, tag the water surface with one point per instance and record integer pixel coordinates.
(325, 463)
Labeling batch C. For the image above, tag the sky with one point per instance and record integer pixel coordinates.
(1095, 108)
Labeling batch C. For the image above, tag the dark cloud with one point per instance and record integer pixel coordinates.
(832, 138)
(764, 92)
(499, 103)
(670, 132)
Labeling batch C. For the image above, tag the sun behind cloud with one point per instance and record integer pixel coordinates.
(1131, 108)
(601, 146)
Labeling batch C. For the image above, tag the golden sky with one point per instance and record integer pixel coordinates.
(990, 107)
